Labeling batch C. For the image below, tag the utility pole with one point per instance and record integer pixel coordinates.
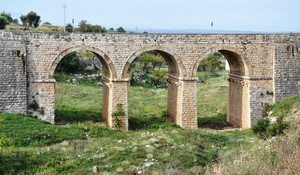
(73, 25)
(64, 6)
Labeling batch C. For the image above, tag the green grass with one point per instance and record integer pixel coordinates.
(41, 28)
(212, 100)
(285, 106)
(77, 103)
(36, 147)
(21, 131)
(31, 146)
(264, 128)
(146, 106)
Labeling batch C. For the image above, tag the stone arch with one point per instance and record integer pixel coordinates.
(176, 72)
(238, 109)
(109, 75)
(239, 64)
(109, 68)
(175, 66)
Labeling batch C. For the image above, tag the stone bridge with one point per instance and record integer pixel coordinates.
(263, 68)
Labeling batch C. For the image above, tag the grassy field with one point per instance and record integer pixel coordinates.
(31, 146)
(83, 101)
(77, 103)
(212, 98)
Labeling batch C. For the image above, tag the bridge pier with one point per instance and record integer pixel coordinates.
(182, 101)
(41, 99)
(238, 112)
(119, 105)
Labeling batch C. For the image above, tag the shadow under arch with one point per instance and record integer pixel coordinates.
(238, 109)
(109, 73)
(175, 66)
(109, 68)
(176, 71)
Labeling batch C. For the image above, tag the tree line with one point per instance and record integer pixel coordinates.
(84, 26)
(33, 20)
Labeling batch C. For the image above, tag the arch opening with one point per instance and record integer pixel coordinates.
(223, 100)
(151, 96)
(80, 90)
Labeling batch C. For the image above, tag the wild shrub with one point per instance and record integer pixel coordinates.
(278, 127)
(69, 64)
(264, 128)
(261, 127)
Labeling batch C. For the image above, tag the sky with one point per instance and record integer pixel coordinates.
(231, 15)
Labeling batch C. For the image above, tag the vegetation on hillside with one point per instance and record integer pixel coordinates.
(32, 21)
(274, 155)
(149, 70)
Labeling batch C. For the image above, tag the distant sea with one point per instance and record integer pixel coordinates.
(197, 31)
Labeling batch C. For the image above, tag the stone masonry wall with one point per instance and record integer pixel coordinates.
(13, 81)
(261, 95)
(287, 70)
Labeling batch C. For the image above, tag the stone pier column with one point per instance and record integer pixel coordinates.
(119, 104)
(189, 103)
(41, 99)
(107, 101)
(248, 98)
(238, 112)
(182, 101)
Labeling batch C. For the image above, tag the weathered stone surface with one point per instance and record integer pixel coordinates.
(263, 68)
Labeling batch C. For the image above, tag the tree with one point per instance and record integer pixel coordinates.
(84, 26)
(149, 61)
(149, 69)
(8, 17)
(3, 22)
(16, 21)
(212, 63)
(69, 28)
(31, 19)
(121, 30)
(69, 63)
(47, 24)
(5, 19)
(111, 29)
(24, 20)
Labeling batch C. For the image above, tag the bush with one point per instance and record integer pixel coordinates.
(278, 127)
(264, 128)
(69, 64)
(261, 127)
